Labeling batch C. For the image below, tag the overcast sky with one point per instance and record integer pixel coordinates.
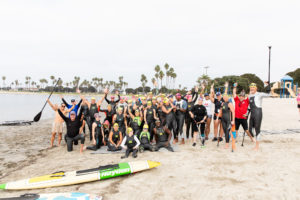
(113, 38)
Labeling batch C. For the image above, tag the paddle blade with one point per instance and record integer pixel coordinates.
(37, 117)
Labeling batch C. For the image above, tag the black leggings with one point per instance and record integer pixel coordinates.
(134, 152)
(171, 124)
(151, 127)
(180, 123)
(75, 139)
(163, 145)
(146, 147)
(112, 147)
(255, 122)
(196, 128)
(226, 124)
(188, 122)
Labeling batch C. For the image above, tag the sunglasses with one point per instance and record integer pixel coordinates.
(63, 106)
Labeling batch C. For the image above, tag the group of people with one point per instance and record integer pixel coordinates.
(149, 122)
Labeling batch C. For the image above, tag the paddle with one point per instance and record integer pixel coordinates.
(38, 116)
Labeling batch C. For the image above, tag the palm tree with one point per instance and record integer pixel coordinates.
(27, 82)
(161, 76)
(3, 78)
(143, 81)
(53, 80)
(75, 82)
(16, 84)
(166, 66)
(153, 82)
(157, 70)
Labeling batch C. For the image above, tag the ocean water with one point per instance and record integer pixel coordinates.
(26, 106)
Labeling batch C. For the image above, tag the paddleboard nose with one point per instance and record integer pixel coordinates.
(153, 164)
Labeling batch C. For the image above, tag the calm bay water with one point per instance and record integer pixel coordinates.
(26, 106)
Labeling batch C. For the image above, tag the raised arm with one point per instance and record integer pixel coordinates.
(93, 132)
(212, 93)
(226, 87)
(106, 99)
(231, 107)
(52, 106)
(69, 110)
(64, 101)
(234, 90)
(100, 102)
(62, 115)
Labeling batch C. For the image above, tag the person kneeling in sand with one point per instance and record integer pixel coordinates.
(97, 134)
(57, 126)
(161, 133)
(130, 143)
(145, 139)
(115, 139)
(73, 130)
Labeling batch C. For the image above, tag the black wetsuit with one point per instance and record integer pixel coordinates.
(150, 120)
(98, 137)
(199, 112)
(120, 120)
(115, 139)
(73, 128)
(93, 111)
(226, 120)
(162, 139)
(86, 115)
(180, 116)
(188, 120)
(145, 141)
(218, 105)
(136, 125)
(171, 122)
(130, 143)
(256, 112)
(108, 115)
(112, 103)
(161, 115)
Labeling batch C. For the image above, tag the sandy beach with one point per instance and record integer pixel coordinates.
(273, 172)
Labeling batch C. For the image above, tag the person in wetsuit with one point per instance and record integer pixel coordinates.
(255, 99)
(106, 130)
(122, 104)
(228, 117)
(191, 100)
(130, 143)
(163, 137)
(145, 140)
(168, 108)
(97, 134)
(73, 126)
(150, 116)
(115, 139)
(109, 113)
(93, 109)
(181, 107)
(136, 121)
(160, 113)
(218, 100)
(112, 100)
(198, 115)
(130, 107)
(120, 119)
(86, 114)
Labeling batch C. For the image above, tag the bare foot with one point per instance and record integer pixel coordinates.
(226, 146)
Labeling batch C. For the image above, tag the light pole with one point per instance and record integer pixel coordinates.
(206, 69)
(269, 66)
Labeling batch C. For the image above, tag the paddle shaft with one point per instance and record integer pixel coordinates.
(50, 95)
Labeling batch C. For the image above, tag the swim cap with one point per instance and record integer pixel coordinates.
(72, 113)
(157, 121)
(178, 95)
(106, 122)
(145, 126)
(149, 93)
(188, 96)
(122, 98)
(120, 109)
(218, 93)
(129, 101)
(252, 85)
(93, 98)
(112, 97)
(143, 98)
(165, 100)
(137, 110)
(96, 115)
(116, 125)
(129, 130)
(149, 103)
(200, 99)
(154, 98)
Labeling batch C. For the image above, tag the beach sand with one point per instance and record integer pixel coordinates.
(273, 172)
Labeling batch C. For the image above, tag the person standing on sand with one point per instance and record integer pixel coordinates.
(208, 105)
(73, 130)
(57, 126)
(228, 118)
(255, 99)
(112, 100)
(241, 109)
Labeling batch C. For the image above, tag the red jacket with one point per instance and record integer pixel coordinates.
(241, 107)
